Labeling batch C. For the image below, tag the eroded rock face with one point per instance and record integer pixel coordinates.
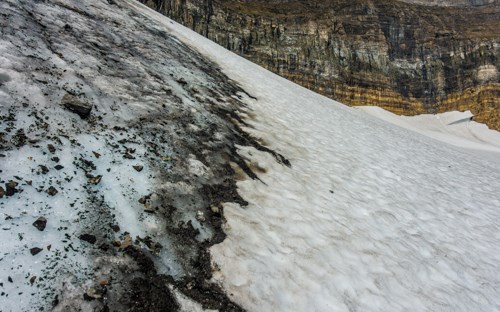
(405, 57)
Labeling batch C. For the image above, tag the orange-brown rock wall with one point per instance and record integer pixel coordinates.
(407, 58)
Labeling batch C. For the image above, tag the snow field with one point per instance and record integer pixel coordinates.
(370, 217)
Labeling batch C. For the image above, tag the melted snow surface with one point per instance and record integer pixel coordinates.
(153, 102)
(370, 217)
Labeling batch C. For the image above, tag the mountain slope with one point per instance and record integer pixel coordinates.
(404, 57)
(410, 223)
(331, 209)
(130, 190)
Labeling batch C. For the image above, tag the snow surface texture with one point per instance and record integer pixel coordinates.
(454, 128)
(141, 170)
(370, 217)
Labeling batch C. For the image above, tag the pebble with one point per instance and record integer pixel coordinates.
(95, 180)
(51, 148)
(215, 209)
(200, 216)
(128, 156)
(35, 250)
(11, 188)
(89, 238)
(40, 223)
(52, 191)
(44, 169)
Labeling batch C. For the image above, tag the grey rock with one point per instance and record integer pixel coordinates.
(77, 106)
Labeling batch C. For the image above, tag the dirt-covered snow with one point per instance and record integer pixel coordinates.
(118, 138)
(325, 208)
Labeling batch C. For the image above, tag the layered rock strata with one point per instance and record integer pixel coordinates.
(408, 58)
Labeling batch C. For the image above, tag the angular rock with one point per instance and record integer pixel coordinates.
(128, 156)
(52, 191)
(10, 188)
(89, 238)
(43, 169)
(77, 106)
(40, 223)
(35, 250)
(95, 180)
(215, 209)
(51, 148)
(138, 168)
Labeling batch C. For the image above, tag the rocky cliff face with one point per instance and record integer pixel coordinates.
(408, 58)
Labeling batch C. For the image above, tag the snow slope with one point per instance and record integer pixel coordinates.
(368, 217)
(130, 191)
(454, 128)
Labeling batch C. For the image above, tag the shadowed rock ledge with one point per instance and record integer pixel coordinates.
(408, 57)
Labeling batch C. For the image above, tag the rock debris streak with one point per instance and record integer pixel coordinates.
(117, 143)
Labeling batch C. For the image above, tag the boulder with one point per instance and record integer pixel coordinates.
(77, 106)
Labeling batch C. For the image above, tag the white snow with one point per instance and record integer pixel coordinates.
(454, 128)
(370, 217)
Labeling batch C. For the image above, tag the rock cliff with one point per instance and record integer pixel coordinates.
(408, 57)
